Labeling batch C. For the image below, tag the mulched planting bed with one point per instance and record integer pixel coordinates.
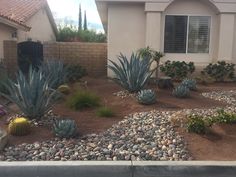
(136, 132)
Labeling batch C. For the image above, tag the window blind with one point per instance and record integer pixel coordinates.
(175, 34)
(198, 36)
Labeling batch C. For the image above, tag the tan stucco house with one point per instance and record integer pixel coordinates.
(202, 31)
(24, 20)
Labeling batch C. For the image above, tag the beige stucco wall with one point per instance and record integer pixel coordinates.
(5, 34)
(193, 7)
(41, 28)
(234, 47)
(126, 29)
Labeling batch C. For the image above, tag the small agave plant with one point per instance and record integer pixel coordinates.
(181, 91)
(190, 83)
(146, 97)
(65, 128)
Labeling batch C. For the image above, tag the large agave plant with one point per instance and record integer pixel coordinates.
(56, 72)
(132, 74)
(31, 93)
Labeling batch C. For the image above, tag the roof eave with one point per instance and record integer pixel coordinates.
(14, 24)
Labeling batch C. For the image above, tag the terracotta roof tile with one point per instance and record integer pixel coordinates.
(19, 11)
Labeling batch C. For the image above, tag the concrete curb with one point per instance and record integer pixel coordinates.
(118, 169)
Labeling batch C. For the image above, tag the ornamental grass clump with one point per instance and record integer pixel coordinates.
(105, 112)
(83, 99)
(131, 74)
(31, 93)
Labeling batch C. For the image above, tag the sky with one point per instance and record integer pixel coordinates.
(70, 8)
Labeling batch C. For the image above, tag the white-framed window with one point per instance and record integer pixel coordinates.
(187, 34)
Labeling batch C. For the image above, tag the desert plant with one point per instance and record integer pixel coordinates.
(19, 127)
(177, 70)
(75, 72)
(65, 128)
(31, 93)
(181, 91)
(56, 72)
(65, 89)
(224, 117)
(83, 99)
(220, 71)
(146, 97)
(205, 79)
(131, 74)
(190, 83)
(196, 124)
(156, 56)
(105, 112)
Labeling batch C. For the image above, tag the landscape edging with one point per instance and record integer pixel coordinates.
(118, 169)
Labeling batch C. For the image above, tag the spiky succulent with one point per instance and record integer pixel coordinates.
(132, 74)
(146, 97)
(19, 126)
(190, 83)
(31, 93)
(56, 72)
(181, 91)
(65, 128)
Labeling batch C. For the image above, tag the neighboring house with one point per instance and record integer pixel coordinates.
(24, 20)
(202, 31)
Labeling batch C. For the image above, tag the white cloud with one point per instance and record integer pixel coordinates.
(70, 8)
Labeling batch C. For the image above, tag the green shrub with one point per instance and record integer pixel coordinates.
(83, 99)
(196, 124)
(75, 72)
(131, 74)
(181, 91)
(205, 79)
(224, 117)
(65, 128)
(177, 70)
(190, 83)
(220, 71)
(147, 97)
(105, 112)
(31, 93)
(71, 34)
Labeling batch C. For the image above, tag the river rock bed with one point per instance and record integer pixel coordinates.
(141, 136)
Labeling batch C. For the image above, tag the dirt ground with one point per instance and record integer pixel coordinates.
(220, 144)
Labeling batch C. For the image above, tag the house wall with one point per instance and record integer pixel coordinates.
(126, 29)
(234, 47)
(5, 34)
(41, 28)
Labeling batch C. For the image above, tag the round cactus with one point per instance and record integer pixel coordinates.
(181, 91)
(65, 89)
(190, 83)
(19, 126)
(146, 97)
(65, 128)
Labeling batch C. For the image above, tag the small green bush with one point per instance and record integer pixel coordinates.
(224, 117)
(83, 99)
(75, 72)
(196, 124)
(177, 70)
(105, 112)
(220, 71)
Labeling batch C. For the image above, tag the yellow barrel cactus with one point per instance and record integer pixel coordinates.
(19, 126)
(65, 89)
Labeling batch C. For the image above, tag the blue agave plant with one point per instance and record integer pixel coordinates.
(132, 74)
